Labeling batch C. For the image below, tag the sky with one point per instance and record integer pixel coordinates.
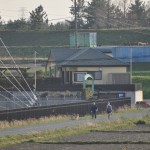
(55, 9)
(15, 9)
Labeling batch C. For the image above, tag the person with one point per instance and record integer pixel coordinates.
(109, 110)
(94, 110)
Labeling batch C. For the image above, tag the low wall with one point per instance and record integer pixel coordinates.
(81, 108)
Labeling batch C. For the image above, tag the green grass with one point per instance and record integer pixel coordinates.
(26, 53)
(141, 74)
(141, 66)
(61, 38)
(51, 135)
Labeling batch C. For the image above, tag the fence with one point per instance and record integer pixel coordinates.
(16, 104)
(81, 108)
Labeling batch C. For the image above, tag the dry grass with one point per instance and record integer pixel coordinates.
(126, 109)
(32, 121)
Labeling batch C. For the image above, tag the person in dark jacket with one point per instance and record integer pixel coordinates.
(94, 110)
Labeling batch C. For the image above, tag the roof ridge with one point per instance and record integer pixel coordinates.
(75, 55)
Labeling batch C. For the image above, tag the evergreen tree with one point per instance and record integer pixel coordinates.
(102, 14)
(147, 16)
(19, 24)
(38, 19)
(137, 12)
(95, 12)
(79, 10)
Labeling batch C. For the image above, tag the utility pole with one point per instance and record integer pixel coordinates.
(76, 39)
(130, 65)
(35, 69)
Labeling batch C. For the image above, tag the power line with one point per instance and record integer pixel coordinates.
(13, 95)
(31, 102)
(11, 100)
(121, 23)
(15, 79)
(34, 96)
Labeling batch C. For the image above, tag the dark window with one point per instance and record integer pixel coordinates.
(97, 75)
(79, 77)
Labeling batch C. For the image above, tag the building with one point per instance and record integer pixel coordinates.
(72, 65)
(110, 74)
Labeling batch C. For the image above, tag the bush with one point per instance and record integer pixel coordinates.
(140, 122)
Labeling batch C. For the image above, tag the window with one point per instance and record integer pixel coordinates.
(97, 75)
(79, 76)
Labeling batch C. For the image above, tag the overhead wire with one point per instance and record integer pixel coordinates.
(11, 100)
(31, 102)
(13, 95)
(121, 23)
(4, 107)
(34, 96)
(15, 79)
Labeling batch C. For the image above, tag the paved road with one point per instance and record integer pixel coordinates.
(58, 125)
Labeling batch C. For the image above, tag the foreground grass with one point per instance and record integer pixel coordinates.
(49, 136)
(28, 122)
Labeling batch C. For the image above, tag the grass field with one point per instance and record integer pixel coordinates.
(141, 74)
(88, 127)
(61, 38)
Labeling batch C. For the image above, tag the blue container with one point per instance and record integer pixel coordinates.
(136, 53)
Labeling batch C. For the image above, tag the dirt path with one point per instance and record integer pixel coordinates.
(58, 125)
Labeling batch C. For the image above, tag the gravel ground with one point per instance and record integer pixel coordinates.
(81, 147)
(133, 134)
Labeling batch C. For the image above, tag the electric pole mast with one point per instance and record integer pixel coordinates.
(76, 39)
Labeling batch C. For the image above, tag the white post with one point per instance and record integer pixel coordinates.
(35, 70)
(130, 65)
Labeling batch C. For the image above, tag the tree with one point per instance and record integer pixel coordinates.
(95, 13)
(59, 26)
(19, 24)
(77, 10)
(38, 19)
(137, 12)
(118, 18)
(147, 16)
(102, 14)
(0, 23)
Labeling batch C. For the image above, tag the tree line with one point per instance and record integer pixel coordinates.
(94, 14)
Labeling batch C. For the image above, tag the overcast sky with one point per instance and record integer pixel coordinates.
(15, 9)
(55, 9)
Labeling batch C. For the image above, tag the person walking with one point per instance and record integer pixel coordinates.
(109, 110)
(94, 110)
